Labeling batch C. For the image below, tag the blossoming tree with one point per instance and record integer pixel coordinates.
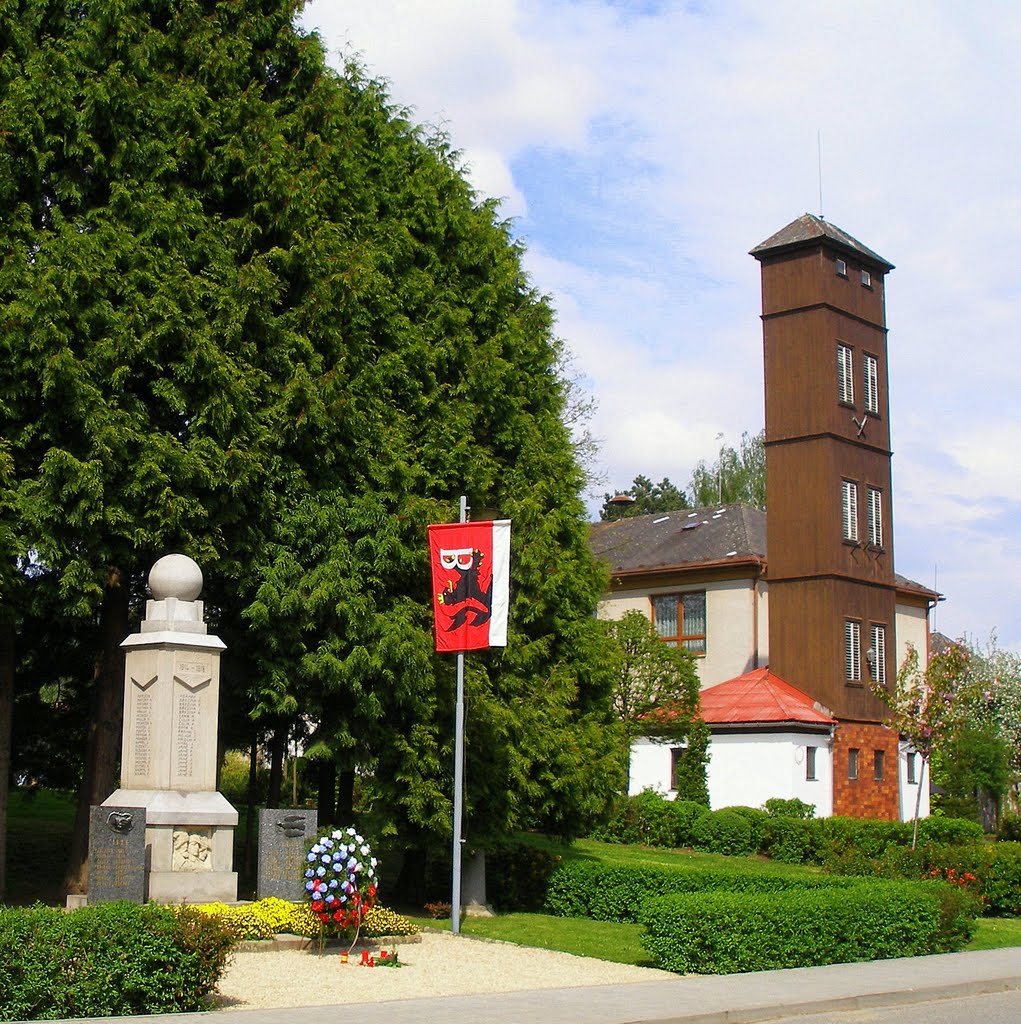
(928, 707)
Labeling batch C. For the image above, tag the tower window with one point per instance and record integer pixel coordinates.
(841, 268)
(852, 763)
(875, 517)
(866, 279)
(849, 509)
(810, 775)
(912, 776)
(878, 759)
(845, 374)
(871, 367)
(877, 654)
(852, 651)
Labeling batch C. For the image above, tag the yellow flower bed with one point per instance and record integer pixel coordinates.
(272, 915)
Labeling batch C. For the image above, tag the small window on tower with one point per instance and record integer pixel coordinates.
(866, 279)
(852, 763)
(841, 268)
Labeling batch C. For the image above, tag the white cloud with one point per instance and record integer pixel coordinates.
(645, 148)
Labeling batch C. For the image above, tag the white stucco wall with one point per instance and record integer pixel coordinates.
(737, 629)
(745, 769)
(650, 767)
(909, 791)
(912, 627)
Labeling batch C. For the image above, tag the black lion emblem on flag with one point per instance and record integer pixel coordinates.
(476, 600)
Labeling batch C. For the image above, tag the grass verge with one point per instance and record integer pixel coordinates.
(600, 940)
(996, 933)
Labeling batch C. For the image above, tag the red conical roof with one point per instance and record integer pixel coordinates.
(758, 697)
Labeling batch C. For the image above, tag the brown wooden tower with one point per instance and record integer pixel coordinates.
(832, 595)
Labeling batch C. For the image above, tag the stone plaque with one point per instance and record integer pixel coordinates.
(284, 839)
(117, 854)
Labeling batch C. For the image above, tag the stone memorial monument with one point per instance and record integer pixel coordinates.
(284, 838)
(169, 752)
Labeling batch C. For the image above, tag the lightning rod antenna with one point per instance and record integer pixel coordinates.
(818, 149)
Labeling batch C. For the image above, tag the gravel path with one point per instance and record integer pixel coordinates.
(440, 964)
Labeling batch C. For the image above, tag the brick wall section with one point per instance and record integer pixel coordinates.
(865, 797)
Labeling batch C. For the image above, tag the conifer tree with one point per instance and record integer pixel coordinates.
(249, 312)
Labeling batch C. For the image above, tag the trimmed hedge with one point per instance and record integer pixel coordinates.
(114, 959)
(584, 889)
(727, 932)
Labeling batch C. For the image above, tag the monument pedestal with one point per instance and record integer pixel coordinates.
(168, 751)
(189, 841)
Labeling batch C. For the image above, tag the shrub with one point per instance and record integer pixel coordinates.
(778, 807)
(1010, 829)
(644, 820)
(948, 830)
(757, 820)
(1000, 885)
(584, 889)
(721, 933)
(726, 831)
(790, 840)
(684, 814)
(109, 960)
(517, 875)
(861, 837)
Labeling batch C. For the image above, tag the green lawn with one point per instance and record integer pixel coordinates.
(601, 940)
(996, 933)
(622, 943)
(38, 835)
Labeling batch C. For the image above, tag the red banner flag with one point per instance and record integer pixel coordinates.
(471, 584)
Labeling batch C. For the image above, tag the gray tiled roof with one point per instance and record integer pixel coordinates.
(688, 537)
(809, 228)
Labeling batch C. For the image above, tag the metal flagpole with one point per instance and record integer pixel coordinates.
(455, 898)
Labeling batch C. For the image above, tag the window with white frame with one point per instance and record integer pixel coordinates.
(877, 647)
(849, 508)
(680, 620)
(852, 651)
(845, 374)
(866, 279)
(870, 366)
(841, 268)
(875, 517)
(852, 763)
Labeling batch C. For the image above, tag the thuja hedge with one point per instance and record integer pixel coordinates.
(726, 932)
(114, 959)
(584, 889)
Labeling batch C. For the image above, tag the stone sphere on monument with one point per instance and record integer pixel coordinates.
(175, 576)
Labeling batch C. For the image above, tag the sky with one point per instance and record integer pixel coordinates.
(641, 148)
